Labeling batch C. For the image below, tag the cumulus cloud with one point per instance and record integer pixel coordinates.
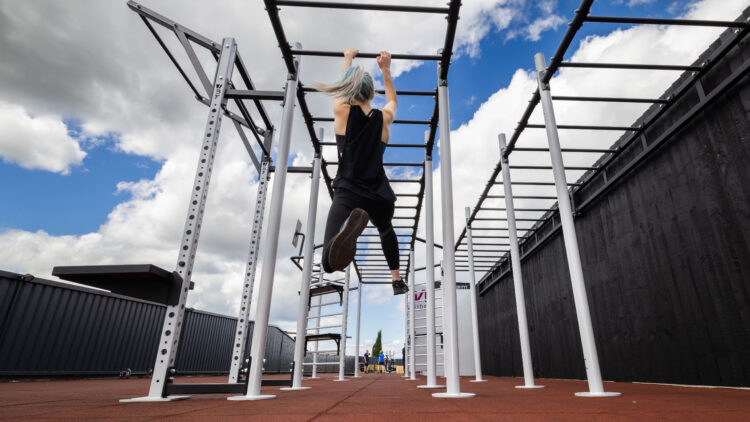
(37, 142)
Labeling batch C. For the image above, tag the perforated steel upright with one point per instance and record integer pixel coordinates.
(271, 244)
(591, 358)
(175, 314)
(240, 334)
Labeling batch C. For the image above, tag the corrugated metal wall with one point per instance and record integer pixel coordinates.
(50, 328)
(666, 257)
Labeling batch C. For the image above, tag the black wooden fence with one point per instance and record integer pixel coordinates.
(49, 328)
(666, 258)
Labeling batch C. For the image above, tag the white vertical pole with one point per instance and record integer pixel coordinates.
(175, 312)
(412, 326)
(450, 315)
(304, 290)
(344, 320)
(359, 314)
(406, 336)
(429, 272)
(271, 245)
(591, 359)
(316, 345)
(515, 258)
(473, 301)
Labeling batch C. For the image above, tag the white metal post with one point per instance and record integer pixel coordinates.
(473, 302)
(412, 331)
(304, 291)
(240, 334)
(359, 314)
(175, 314)
(515, 258)
(271, 245)
(591, 359)
(316, 345)
(450, 315)
(430, 272)
(344, 321)
(406, 336)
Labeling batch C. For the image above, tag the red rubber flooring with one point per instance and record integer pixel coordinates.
(375, 397)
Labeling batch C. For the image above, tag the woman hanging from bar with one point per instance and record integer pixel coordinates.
(361, 189)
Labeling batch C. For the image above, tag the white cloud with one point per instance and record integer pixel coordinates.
(534, 31)
(37, 142)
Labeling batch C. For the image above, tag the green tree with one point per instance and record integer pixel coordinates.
(378, 346)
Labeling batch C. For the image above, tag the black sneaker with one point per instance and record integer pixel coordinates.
(344, 245)
(399, 287)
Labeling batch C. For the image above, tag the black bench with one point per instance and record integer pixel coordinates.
(323, 337)
(140, 281)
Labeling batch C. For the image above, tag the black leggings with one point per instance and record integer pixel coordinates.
(381, 213)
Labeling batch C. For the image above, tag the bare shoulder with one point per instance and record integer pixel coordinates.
(340, 107)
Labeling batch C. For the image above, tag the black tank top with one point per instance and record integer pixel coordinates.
(361, 151)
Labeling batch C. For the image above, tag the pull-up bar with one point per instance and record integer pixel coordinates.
(321, 53)
(356, 6)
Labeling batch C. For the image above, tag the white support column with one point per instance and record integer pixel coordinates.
(271, 245)
(316, 345)
(412, 326)
(473, 301)
(240, 334)
(406, 336)
(359, 314)
(304, 290)
(430, 272)
(591, 359)
(515, 258)
(344, 321)
(175, 314)
(450, 316)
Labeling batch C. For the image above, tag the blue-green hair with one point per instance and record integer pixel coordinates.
(354, 85)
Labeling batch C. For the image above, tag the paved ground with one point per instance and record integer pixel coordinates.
(375, 397)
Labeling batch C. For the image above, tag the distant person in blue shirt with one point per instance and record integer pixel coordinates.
(381, 360)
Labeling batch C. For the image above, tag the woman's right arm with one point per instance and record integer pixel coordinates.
(389, 111)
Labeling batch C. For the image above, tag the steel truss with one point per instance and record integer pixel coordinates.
(218, 93)
(553, 213)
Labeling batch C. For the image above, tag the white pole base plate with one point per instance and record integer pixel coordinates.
(453, 395)
(602, 394)
(341, 379)
(258, 397)
(357, 376)
(529, 386)
(430, 386)
(312, 378)
(478, 380)
(294, 388)
(149, 399)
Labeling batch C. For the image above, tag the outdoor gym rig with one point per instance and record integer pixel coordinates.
(222, 94)
(556, 212)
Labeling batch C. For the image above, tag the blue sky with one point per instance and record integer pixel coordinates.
(146, 152)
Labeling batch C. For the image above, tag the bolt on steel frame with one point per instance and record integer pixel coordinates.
(560, 212)
(372, 269)
(217, 96)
